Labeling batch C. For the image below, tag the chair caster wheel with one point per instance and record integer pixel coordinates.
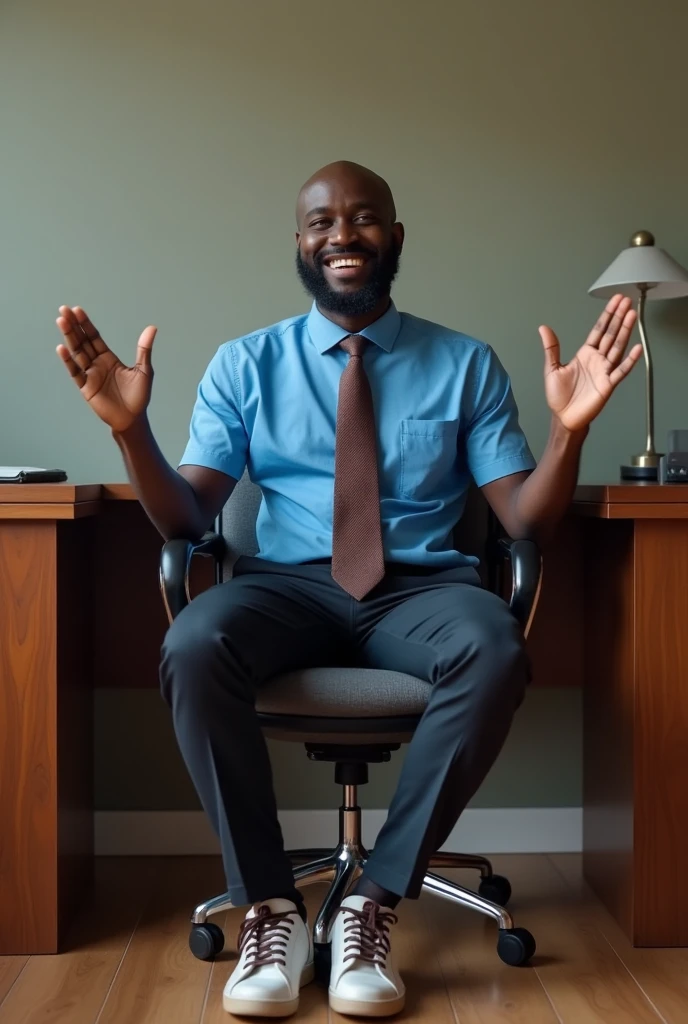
(323, 962)
(496, 889)
(515, 946)
(206, 941)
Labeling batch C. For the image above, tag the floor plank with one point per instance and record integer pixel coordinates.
(482, 989)
(661, 973)
(70, 987)
(159, 981)
(10, 969)
(118, 971)
(580, 972)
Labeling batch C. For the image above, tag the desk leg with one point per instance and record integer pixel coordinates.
(46, 817)
(636, 725)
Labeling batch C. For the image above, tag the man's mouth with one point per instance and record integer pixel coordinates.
(346, 266)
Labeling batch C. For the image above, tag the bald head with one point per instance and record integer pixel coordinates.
(348, 242)
(344, 179)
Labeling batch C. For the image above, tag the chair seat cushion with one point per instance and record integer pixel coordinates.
(344, 693)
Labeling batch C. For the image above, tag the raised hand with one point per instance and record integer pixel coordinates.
(117, 393)
(577, 391)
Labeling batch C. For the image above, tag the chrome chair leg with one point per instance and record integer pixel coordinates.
(317, 871)
(462, 860)
(467, 898)
(347, 870)
(204, 910)
(312, 854)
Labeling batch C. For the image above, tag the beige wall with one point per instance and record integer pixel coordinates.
(151, 152)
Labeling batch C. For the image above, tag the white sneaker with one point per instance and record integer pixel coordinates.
(364, 981)
(275, 960)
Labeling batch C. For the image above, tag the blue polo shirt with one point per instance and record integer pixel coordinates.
(444, 412)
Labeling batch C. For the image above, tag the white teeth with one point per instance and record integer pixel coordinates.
(336, 264)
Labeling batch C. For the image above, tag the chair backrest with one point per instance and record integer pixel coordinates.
(237, 525)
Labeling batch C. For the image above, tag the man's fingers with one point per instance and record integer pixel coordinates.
(78, 344)
(75, 371)
(550, 343)
(625, 368)
(614, 326)
(609, 323)
(91, 332)
(618, 346)
(603, 322)
(144, 348)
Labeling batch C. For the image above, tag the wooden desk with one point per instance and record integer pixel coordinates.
(635, 544)
(78, 575)
(46, 770)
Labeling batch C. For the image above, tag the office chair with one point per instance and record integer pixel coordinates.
(354, 717)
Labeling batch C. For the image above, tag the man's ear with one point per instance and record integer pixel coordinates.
(298, 238)
(399, 234)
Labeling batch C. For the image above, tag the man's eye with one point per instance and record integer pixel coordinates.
(365, 218)
(320, 223)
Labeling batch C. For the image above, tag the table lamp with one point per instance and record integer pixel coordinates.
(643, 272)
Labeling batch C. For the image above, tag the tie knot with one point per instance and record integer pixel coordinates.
(354, 344)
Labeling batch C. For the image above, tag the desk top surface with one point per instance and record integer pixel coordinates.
(613, 500)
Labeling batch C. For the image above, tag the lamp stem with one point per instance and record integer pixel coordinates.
(649, 379)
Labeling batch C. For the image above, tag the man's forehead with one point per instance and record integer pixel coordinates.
(349, 193)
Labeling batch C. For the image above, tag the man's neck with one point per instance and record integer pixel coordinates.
(356, 324)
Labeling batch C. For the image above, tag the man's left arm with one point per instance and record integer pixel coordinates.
(530, 504)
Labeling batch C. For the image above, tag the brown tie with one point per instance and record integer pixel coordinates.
(357, 554)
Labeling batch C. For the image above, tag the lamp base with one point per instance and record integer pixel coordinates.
(639, 473)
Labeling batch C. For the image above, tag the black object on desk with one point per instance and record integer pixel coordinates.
(31, 475)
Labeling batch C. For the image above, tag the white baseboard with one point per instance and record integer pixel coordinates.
(481, 830)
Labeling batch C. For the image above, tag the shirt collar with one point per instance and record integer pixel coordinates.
(325, 334)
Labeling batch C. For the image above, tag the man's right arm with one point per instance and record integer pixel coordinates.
(180, 503)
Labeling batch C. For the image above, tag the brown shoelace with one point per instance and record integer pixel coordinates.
(358, 562)
(367, 936)
(270, 934)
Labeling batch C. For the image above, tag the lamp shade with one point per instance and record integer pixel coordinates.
(642, 263)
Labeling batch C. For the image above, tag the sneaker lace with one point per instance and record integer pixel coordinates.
(265, 936)
(366, 933)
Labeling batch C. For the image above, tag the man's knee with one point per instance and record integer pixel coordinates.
(195, 650)
(493, 661)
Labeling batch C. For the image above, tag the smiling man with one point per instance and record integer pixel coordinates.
(363, 427)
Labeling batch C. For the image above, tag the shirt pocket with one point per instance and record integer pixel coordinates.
(428, 457)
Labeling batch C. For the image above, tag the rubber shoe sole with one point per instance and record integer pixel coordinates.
(363, 1008)
(268, 1007)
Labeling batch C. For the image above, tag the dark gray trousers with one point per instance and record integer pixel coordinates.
(273, 618)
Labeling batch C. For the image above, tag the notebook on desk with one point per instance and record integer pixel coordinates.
(30, 475)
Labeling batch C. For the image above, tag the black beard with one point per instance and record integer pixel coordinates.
(358, 303)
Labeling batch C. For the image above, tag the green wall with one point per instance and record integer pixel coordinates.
(150, 156)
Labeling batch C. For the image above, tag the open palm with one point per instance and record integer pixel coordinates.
(117, 393)
(577, 391)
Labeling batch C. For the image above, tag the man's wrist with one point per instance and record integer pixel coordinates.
(562, 437)
(137, 431)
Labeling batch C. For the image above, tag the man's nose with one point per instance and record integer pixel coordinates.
(343, 233)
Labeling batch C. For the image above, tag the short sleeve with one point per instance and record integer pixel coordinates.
(217, 435)
(495, 444)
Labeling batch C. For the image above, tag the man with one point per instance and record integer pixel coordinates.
(363, 427)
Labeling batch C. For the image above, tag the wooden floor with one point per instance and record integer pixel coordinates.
(127, 961)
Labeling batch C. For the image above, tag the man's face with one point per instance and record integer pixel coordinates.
(348, 246)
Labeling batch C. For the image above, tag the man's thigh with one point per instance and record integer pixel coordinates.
(273, 623)
(435, 625)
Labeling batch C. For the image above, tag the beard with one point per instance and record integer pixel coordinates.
(358, 303)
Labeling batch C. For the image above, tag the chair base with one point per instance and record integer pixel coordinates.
(342, 866)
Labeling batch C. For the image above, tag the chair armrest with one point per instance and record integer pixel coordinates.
(175, 561)
(526, 578)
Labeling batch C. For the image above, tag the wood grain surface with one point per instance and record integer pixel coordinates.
(28, 749)
(129, 963)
